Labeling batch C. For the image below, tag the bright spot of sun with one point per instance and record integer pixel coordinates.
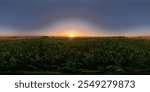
(71, 35)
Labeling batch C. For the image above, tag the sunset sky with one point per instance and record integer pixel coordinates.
(75, 17)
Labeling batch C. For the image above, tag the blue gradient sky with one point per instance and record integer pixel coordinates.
(95, 17)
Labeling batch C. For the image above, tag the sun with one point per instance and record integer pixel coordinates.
(71, 35)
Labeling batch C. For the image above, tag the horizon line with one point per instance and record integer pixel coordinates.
(73, 37)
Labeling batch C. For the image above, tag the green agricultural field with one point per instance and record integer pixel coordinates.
(75, 56)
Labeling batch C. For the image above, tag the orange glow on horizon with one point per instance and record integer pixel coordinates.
(71, 35)
(76, 28)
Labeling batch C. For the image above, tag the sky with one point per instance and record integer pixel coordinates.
(82, 17)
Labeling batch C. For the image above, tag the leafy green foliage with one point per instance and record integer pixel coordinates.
(75, 56)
